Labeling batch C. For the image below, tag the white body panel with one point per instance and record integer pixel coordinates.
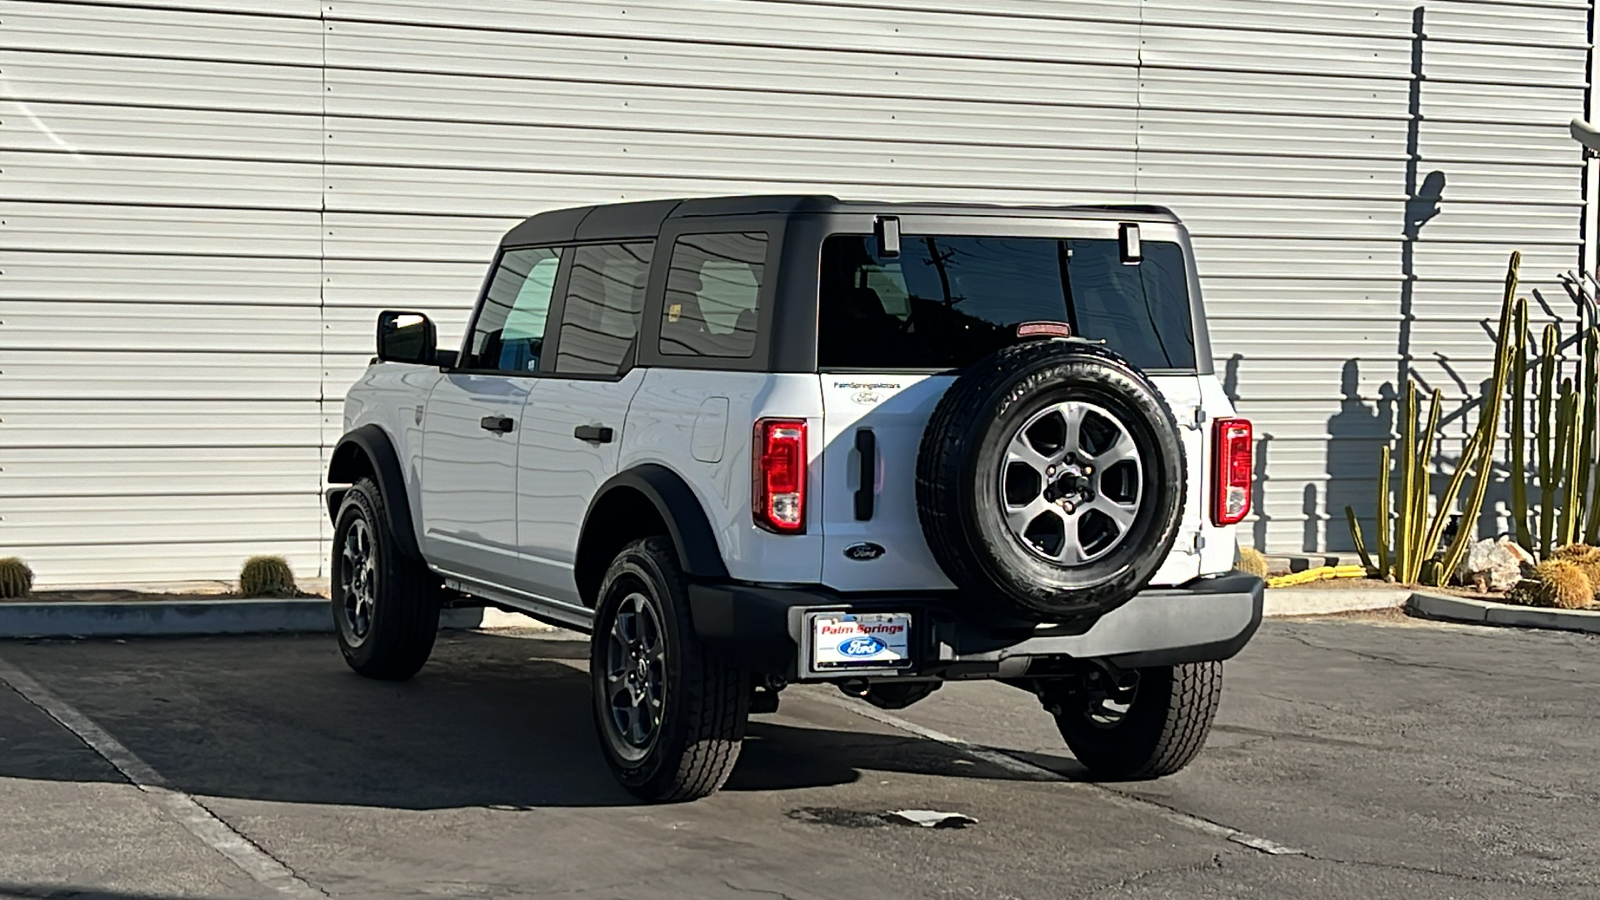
(469, 477)
(674, 419)
(508, 509)
(558, 475)
(394, 397)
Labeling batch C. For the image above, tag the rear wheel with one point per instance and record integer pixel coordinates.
(385, 604)
(1146, 724)
(670, 716)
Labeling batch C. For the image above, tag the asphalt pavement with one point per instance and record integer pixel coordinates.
(1351, 758)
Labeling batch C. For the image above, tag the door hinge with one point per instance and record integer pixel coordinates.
(1198, 421)
(1199, 542)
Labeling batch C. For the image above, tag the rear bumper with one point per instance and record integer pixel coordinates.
(763, 629)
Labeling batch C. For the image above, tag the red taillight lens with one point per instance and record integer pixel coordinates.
(778, 465)
(1235, 466)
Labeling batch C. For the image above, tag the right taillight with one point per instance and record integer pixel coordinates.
(778, 470)
(1235, 466)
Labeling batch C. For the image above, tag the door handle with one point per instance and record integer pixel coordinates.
(595, 434)
(867, 447)
(498, 424)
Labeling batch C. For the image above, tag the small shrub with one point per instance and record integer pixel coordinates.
(16, 579)
(1586, 558)
(1557, 583)
(266, 576)
(1252, 562)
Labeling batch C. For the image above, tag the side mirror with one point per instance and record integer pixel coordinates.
(407, 337)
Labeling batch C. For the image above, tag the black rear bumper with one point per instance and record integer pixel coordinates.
(763, 629)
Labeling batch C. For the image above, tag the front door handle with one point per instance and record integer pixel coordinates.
(497, 424)
(595, 434)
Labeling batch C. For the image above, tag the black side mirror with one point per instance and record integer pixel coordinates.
(407, 337)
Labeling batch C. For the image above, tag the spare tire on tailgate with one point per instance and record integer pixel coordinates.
(1050, 482)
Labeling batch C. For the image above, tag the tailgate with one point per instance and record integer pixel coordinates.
(886, 414)
(879, 545)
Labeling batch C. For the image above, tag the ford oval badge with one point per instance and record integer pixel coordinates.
(861, 646)
(864, 551)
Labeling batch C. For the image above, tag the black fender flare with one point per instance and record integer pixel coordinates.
(675, 502)
(374, 443)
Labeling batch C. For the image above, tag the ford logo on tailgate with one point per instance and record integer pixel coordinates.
(864, 551)
(862, 645)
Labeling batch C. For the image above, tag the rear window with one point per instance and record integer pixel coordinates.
(948, 301)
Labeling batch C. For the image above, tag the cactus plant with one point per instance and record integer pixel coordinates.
(266, 576)
(1586, 558)
(16, 579)
(1519, 431)
(1252, 562)
(1555, 582)
(1415, 542)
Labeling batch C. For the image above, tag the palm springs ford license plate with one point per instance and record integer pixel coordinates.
(863, 641)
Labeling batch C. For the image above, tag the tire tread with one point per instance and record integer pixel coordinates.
(407, 618)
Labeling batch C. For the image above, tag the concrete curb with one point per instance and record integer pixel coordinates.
(195, 617)
(1485, 612)
(1322, 601)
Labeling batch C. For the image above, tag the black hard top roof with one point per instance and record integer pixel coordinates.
(617, 221)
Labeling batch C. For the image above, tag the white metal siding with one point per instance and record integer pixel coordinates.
(203, 204)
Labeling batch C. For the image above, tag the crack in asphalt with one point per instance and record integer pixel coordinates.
(728, 883)
(1215, 862)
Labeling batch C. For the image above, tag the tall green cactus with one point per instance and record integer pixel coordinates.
(1512, 311)
(1546, 446)
(1519, 431)
(1414, 548)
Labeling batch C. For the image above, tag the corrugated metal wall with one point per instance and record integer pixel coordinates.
(203, 204)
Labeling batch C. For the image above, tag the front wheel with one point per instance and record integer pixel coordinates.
(385, 604)
(1146, 724)
(670, 716)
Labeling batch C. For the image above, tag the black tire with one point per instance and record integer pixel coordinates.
(700, 703)
(961, 482)
(385, 605)
(1162, 730)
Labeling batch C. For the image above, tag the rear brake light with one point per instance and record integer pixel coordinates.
(778, 466)
(1235, 467)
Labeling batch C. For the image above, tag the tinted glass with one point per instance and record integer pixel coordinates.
(712, 305)
(600, 320)
(948, 301)
(509, 333)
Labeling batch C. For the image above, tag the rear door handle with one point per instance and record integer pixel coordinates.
(595, 434)
(498, 424)
(867, 447)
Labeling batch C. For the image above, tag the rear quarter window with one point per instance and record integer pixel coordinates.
(712, 305)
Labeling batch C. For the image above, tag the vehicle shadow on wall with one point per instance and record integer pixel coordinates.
(493, 721)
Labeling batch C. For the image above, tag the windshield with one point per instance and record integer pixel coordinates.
(947, 301)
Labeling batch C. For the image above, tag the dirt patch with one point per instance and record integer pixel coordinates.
(1376, 584)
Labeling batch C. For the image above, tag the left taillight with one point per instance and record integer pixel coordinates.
(778, 470)
(1235, 467)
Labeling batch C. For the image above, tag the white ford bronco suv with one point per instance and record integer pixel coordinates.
(748, 442)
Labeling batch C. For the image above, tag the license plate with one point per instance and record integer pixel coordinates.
(861, 641)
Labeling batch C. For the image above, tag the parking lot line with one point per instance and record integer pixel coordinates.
(1039, 773)
(200, 822)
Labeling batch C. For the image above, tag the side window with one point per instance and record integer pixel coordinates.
(600, 321)
(712, 304)
(509, 333)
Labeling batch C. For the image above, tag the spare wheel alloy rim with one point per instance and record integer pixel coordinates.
(360, 582)
(1071, 483)
(635, 674)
